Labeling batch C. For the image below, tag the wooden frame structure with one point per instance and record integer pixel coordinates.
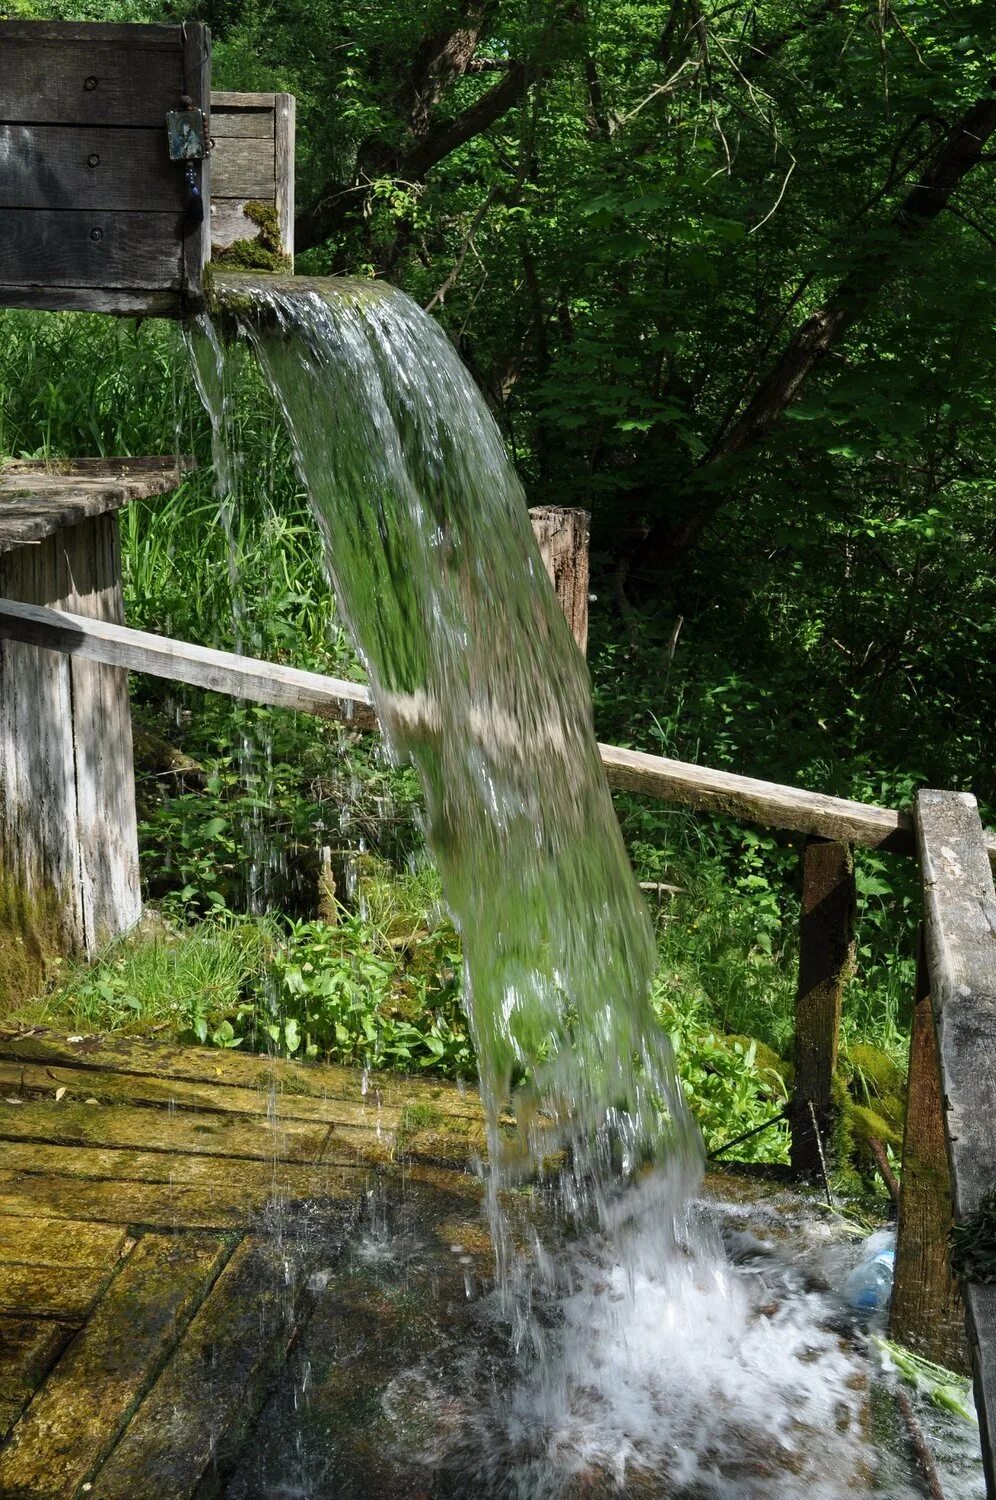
(94, 216)
(948, 1157)
(252, 164)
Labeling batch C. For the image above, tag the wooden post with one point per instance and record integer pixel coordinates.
(68, 838)
(960, 946)
(826, 958)
(927, 1314)
(562, 536)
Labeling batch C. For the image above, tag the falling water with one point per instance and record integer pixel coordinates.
(642, 1351)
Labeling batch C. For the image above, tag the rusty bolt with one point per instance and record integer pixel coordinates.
(90, 84)
(93, 160)
(96, 234)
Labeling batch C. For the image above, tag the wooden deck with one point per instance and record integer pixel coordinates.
(152, 1200)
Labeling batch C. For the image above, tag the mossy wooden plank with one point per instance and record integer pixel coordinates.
(293, 1081)
(158, 1205)
(66, 1123)
(210, 1390)
(57, 1242)
(50, 1291)
(29, 1348)
(80, 1411)
(44, 1080)
(282, 1179)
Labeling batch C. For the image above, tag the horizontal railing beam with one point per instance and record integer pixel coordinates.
(720, 792)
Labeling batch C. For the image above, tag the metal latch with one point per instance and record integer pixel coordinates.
(187, 136)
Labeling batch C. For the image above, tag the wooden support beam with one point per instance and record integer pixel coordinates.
(826, 959)
(960, 945)
(699, 787)
(562, 537)
(927, 1314)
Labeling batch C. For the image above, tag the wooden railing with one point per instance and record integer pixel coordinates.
(948, 1158)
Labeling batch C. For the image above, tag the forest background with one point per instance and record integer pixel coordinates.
(725, 274)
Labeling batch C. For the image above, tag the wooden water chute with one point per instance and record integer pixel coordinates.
(68, 839)
(104, 172)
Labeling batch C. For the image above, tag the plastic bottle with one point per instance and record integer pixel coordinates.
(869, 1286)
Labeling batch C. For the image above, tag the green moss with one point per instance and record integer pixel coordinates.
(261, 252)
(31, 940)
(873, 1072)
(867, 1125)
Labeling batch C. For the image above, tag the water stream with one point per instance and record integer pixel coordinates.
(638, 1350)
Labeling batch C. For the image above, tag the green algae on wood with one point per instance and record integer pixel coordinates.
(50, 1291)
(212, 1387)
(58, 1242)
(29, 1348)
(74, 1420)
(32, 937)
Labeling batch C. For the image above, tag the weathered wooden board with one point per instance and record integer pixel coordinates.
(826, 959)
(86, 247)
(88, 168)
(960, 945)
(228, 1205)
(204, 1133)
(926, 1313)
(57, 1242)
(29, 1348)
(37, 502)
(94, 207)
(27, 1080)
(562, 537)
(252, 163)
(86, 1400)
(288, 1082)
(212, 1386)
(175, 1164)
(50, 1291)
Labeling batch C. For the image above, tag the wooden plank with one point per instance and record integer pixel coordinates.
(230, 222)
(77, 1416)
(719, 792)
(285, 110)
(242, 167)
(89, 248)
(81, 167)
(220, 671)
(29, 1348)
(261, 1179)
(35, 503)
(960, 946)
(107, 824)
(71, 1244)
(228, 122)
(960, 939)
(926, 1313)
(229, 1205)
(826, 959)
(136, 73)
(36, 1081)
(252, 1136)
(208, 1394)
(232, 100)
(562, 538)
(980, 1304)
(119, 302)
(50, 1291)
(288, 1081)
(196, 228)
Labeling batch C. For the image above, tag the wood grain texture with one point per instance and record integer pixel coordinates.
(926, 1314)
(44, 248)
(232, 119)
(960, 946)
(29, 1348)
(285, 135)
(82, 167)
(56, 1242)
(212, 1386)
(50, 1291)
(118, 302)
(230, 222)
(35, 503)
(44, 67)
(195, 229)
(562, 537)
(826, 960)
(243, 167)
(74, 1420)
